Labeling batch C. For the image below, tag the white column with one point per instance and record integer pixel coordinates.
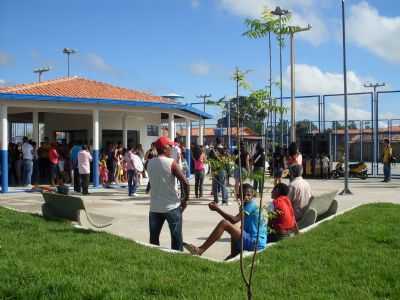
(124, 132)
(95, 152)
(4, 148)
(201, 133)
(35, 127)
(96, 130)
(188, 133)
(171, 126)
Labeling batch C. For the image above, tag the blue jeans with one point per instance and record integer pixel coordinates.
(387, 171)
(174, 219)
(218, 182)
(27, 166)
(132, 182)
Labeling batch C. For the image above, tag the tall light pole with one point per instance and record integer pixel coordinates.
(293, 30)
(346, 190)
(280, 12)
(375, 125)
(68, 52)
(40, 71)
(204, 97)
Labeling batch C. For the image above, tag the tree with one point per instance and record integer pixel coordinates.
(305, 127)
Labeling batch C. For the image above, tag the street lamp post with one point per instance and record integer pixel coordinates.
(68, 52)
(292, 31)
(39, 71)
(346, 190)
(280, 12)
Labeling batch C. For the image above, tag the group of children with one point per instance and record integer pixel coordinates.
(256, 232)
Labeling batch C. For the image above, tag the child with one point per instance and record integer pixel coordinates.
(284, 224)
(251, 215)
(103, 170)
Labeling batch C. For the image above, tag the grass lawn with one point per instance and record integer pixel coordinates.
(355, 256)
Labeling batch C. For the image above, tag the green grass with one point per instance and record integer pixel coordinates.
(355, 256)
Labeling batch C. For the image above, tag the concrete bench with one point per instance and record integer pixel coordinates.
(71, 208)
(325, 205)
(308, 219)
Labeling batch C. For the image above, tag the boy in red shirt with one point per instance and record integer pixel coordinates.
(284, 224)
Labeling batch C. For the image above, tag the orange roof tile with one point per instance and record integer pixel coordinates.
(78, 87)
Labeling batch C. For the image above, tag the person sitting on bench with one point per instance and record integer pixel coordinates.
(284, 222)
(251, 217)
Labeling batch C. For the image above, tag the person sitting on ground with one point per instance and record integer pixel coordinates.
(299, 191)
(251, 221)
(284, 223)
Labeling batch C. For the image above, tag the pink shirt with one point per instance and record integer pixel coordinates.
(84, 159)
(128, 158)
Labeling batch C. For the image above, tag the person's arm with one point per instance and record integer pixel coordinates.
(233, 219)
(184, 183)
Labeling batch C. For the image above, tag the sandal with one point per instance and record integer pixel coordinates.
(192, 249)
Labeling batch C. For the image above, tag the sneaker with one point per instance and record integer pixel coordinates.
(134, 195)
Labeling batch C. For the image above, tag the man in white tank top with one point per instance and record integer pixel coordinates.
(164, 202)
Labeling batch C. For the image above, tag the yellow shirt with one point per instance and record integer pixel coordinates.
(387, 154)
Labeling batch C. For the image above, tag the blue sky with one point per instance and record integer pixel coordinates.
(191, 47)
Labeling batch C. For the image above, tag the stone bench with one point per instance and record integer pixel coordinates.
(319, 208)
(59, 206)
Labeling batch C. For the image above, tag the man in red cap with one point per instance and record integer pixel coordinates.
(164, 202)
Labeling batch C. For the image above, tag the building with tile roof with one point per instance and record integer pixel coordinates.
(75, 108)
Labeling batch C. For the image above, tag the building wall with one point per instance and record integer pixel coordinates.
(111, 121)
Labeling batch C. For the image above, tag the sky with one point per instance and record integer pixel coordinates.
(191, 47)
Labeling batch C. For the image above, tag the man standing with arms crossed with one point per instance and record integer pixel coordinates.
(164, 202)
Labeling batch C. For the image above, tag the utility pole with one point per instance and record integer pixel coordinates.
(68, 52)
(375, 125)
(204, 97)
(280, 12)
(292, 31)
(39, 71)
(346, 190)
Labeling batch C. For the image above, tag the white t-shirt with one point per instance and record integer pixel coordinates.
(84, 159)
(163, 197)
(176, 154)
(27, 151)
(299, 195)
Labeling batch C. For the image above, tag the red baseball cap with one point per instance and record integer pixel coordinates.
(162, 142)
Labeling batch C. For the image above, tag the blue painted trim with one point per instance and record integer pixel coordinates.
(188, 160)
(131, 103)
(96, 173)
(4, 171)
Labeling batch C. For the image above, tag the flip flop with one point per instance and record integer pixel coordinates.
(192, 249)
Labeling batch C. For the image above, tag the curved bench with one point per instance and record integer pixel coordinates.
(71, 208)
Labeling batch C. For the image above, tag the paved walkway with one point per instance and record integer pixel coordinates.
(131, 214)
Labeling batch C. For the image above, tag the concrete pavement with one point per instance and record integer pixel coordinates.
(131, 214)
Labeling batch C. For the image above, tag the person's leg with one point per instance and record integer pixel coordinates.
(29, 172)
(130, 184)
(215, 188)
(77, 181)
(135, 181)
(148, 187)
(224, 190)
(389, 171)
(216, 234)
(24, 172)
(385, 172)
(85, 183)
(174, 219)
(156, 221)
(201, 183)
(196, 183)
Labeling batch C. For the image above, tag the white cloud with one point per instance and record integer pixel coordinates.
(98, 64)
(310, 80)
(303, 13)
(5, 58)
(379, 34)
(195, 3)
(2, 82)
(200, 68)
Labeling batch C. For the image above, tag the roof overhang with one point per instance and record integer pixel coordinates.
(107, 102)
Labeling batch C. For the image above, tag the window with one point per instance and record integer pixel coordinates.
(152, 130)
